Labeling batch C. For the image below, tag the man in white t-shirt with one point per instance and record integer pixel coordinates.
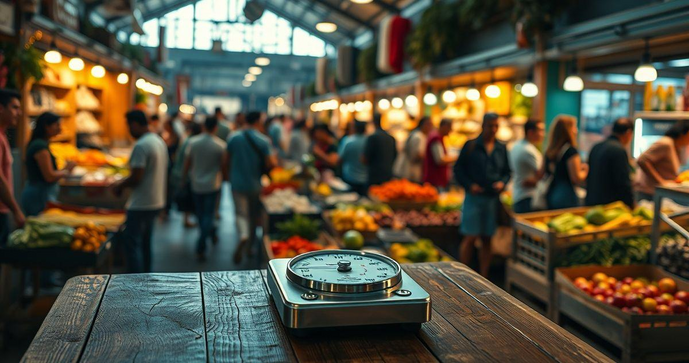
(147, 179)
(526, 161)
(206, 165)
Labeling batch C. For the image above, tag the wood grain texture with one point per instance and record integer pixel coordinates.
(65, 330)
(461, 329)
(547, 335)
(241, 324)
(149, 317)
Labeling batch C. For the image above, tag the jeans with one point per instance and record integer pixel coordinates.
(4, 228)
(35, 197)
(248, 210)
(522, 206)
(205, 212)
(136, 239)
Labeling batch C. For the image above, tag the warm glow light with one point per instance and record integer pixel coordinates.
(645, 73)
(98, 71)
(162, 108)
(411, 101)
(384, 104)
(187, 109)
(76, 64)
(473, 94)
(529, 89)
(149, 87)
(326, 27)
(573, 83)
(250, 77)
(449, 96)
(397, 102)
(255, 70)
(122, 78)
(361, 1)
(358, 106)
(279, 102)
(246, 83)
(351, 107)
(53, 56)
(262, 61)
(368, 105)
(492, 91)
(343, 108)
(430, 99)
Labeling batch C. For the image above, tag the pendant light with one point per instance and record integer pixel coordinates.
(326, 27)
(122, 78)
(411, 101)
(384, 104)
(449, 96)
(430, 99)
(472, 93)
(98, 71)
(53, 55)
(76, 64)
(492, 91)
(262, 61)
(529, 89)
(397, 102)
(573, 83)
(646, 72)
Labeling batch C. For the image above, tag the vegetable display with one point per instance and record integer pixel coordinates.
(608, 252)
(351, 217)
(404, 190)
(414, 218)
(37, 234)
(88, 238)
(300, 226)
(422, 251)
(673, 255)
(293, 246)
(599, 218)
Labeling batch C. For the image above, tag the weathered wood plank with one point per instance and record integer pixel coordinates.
(461, 329)
(241, 325)
(542, 332)
(365, 345)
(65, 330)
(149, 317)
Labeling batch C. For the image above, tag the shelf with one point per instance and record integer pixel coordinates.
(662, 115)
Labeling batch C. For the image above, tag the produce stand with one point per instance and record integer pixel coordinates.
(271, 219)
(325, 240)
(534, 251)
(641, 338)
(91, 195)
(403, 204)
(330, 227)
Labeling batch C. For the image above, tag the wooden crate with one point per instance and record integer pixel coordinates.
(534, 251)
(324, 240)
(328, 224)
(641, 338)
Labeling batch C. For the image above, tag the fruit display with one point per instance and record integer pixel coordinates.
(87, 158)
(39, 234)
(110, 221)
(424, 218)
(293, 246)
(609, 252)
(636, 295)
(276, 186)
(88, 237)
(353, 240)
(281, 175)
(323, 190)
(300, 226)
(673, 255)
(683, 177)
(599, 218)
(449, 201)
(404, 190)
(353, 218)
(422, 251)
(287, 200)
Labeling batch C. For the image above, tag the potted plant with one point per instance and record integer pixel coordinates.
(19, 65)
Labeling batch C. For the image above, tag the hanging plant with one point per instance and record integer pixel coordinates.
(436, 36)
(475, 14)
(366, 64)
(533, 17)
(20, 65)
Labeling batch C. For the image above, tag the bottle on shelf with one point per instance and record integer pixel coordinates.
(671, 99)
(648, 96)
(657, 100)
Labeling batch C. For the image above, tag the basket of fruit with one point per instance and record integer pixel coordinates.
(641, 309)
(404, 195)
(422, 250)
(340, 220)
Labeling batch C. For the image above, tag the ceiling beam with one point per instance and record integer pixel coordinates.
(343, 13)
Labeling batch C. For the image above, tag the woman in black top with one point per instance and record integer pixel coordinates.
(41, 169)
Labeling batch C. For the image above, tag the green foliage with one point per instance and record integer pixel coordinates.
(474, 14)
(436, 36)
(140, 97)
(301, 226)
(538, 15)
(609, 252)
(366, 64)
(23, 64)
(521, 106)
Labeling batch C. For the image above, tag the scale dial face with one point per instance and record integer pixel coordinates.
(344, 271)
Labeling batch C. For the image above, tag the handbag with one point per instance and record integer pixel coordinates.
(261, 157)
(540, 197)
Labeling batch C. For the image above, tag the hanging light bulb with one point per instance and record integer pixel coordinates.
(76, 64)
(397, 102)
(98, 71)
(122, 78)
(368, 105)
(430, 99)
(358, 106)
(529, 89)
(351, 107)
(361, 1)
(646, 72)
(249, 77)
(343, 108)
(573, 83)
(246, 83)
(473, 94)
(492, 91)
(53, 55)
(262, 61)
(255, 70)
(384, 104)
(411, 101)
(326, 27)
(449, 96)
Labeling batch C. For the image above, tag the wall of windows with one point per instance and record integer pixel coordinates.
(196, 26)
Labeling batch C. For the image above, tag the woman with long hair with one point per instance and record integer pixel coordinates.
(562, 160)
(41, 168)
(661, 162)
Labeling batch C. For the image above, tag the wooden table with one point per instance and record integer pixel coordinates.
(227, 316)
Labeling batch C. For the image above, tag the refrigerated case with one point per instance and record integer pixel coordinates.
(649, 126)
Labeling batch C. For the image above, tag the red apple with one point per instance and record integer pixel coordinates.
(667, 296)
(649, 304)
(667, 285)
(644, 293)
(608, 292)
(626, 310)
(627, 280)
(633, 300)
(599, 297)
(580, 280)
(661, 301)
(612, 281)
(636, 310)
(619, 300)
(678, 306)
(599, 277)
(664, 309)
(597, 291)
(636, 285)
(653, 290)
(625, 289)
(683, 296)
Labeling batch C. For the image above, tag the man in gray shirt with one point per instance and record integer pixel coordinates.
(526, 161)
(147, 179)
(206, 166)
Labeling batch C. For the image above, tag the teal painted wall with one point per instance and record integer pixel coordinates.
(557, 100)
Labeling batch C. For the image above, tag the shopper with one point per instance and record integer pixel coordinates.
(224, 130)
(659, 164)
(379, 154)
(276, 129)
(609, 178)
(483, 170)
(42, 173)
(354, 172)
(172, 141)
(250, 156)
(299, 142)
(206, 166)
(436, 164)
(148, 169)
(526, 160)
(239, 121)
(180, 184)
(409, 163)
(10, 114)
(324, 148)
(154, 125)
(563, 162)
